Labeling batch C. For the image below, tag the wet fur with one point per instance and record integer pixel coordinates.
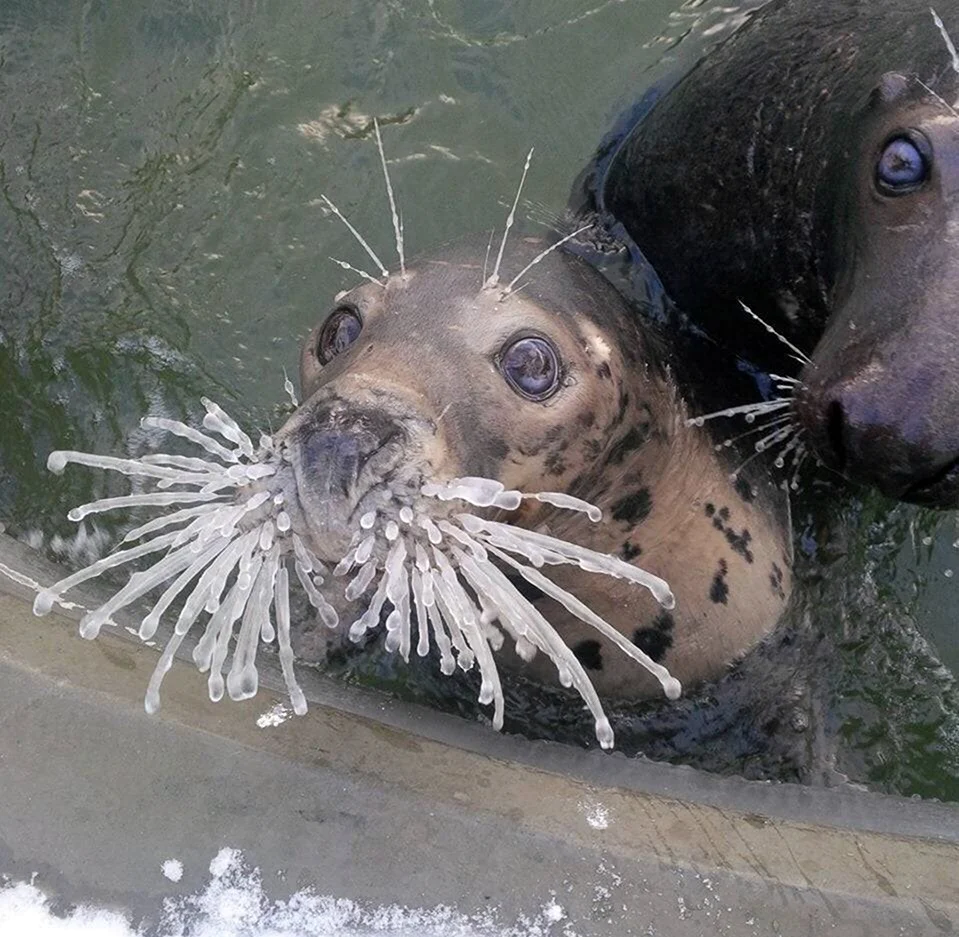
(778, 208)
(615, 435)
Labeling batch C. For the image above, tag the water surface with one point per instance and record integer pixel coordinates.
(161, 167)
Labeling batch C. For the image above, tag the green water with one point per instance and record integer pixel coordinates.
(161, 166)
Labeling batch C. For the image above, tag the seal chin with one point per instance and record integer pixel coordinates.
(939, 491)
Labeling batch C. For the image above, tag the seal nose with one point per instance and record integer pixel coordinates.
(864, 429)
(336, 457)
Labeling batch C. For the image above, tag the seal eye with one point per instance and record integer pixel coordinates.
(902, 167)
(531, 367)
(339, 331)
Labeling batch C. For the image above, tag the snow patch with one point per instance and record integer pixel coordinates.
(234, 904)
(173, 869)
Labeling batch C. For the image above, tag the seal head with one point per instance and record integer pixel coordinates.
(824, 197)
(555, 385)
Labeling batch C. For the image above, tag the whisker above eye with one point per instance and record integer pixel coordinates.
(493, 280)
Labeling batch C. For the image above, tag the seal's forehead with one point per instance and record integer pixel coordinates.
(453, 287)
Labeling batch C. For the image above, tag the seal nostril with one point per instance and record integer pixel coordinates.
(835, 431)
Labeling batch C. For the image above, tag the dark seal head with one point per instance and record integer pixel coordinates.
(809, 167)
(552, 385)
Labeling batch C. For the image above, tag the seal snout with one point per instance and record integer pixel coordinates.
(874, 426)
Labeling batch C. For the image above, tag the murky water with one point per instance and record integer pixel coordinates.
(161, 167)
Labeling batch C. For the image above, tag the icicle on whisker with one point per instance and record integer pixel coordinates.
(494, 276)
(397, 225)
(586, 559)
(672, 688)
(508, 289)
(360, 239)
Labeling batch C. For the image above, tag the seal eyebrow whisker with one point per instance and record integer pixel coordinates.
(494, 276)
(947, 39)
(803, 357)
(362, 273)
(397, 223)
(937, 96)
(508, 290)
(489, 246)
(359, 237)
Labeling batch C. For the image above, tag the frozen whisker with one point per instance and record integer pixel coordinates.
(762, 428)
(801, 355)
(358, 271)
(397, 224)
(750, 411)
(224, 560)
(185, 432)
(218, 421)
(362, 242)
(289, 389)
(493, 280)
(508, 289)
(947, 39)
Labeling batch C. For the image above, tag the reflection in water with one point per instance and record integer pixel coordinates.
(163, 236)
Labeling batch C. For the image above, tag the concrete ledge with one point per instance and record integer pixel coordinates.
(376, 800)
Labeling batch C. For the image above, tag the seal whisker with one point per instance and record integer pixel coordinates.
(947, 39)
(359, 237)
(397, 225)
(494, 276)
(749, 411)
(949, 107)
(803, 357)
(228, 555)
(508, 289)
(489, 247)
(763, 427)
(357, 270)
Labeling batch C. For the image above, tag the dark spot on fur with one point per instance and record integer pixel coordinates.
(710, 509)
(588, 653)
(554, 464)
(586, 419)
(776, 582)
(495, 448)
(738, 541)
(629, 443)
(744, 489)
(554, 433)
(604, 372)
(658, 639)
(593, 449)
(633, 508)
(719, 588)
(629, 551)
(622, 407)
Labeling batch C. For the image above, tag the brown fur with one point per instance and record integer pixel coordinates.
(615, 434)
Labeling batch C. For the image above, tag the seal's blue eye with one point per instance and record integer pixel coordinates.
(531, 367)
(902, 166)
(339, 331)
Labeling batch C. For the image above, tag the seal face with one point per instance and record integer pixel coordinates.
(820, 190)
(556, 385)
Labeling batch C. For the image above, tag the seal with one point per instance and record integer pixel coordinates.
(429, 375)
(808, 167)
(547, 403)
